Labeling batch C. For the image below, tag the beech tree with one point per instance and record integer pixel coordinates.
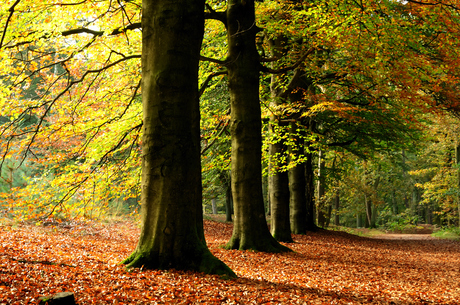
(172, 220)
(250, 229)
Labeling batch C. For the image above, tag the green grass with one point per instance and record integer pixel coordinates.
(448, 233)
(360, 232)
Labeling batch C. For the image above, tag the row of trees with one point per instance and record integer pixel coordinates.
(333, 77)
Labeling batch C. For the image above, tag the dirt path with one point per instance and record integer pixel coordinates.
(405, 236)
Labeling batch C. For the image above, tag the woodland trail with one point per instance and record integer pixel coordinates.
(405, 237)
(326, 267)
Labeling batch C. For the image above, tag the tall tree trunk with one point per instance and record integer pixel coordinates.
(214, 206)
(297, 189)
(172, 220)
(429, 217)
(321, 206)
(279, 197)
(310, 193)
(368, 204)
(279, 200)
(228, 201)
(250, 230)
(336, 207)
(278, 181)
(457, 160)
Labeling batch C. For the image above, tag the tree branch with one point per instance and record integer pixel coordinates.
(121, 30)
(342, 144)
(101, 161)
(216, 61)
(212, 14)
(452, 6)
(269, 59)
(11, 10)
(217, 136)
(72, 83)
(208, 79)
(292, 84)
(286, 69)
(133, 26)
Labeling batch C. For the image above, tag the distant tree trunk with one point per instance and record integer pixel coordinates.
(278, 180)
(297, 189)
(457, 160)
(372, 181)
(321, 206)
(328, 215)
(406, 201)
(250, 230)
(374, 216)
(336, 207)
(279, 197)
(368, 205)
(172, 221)
(228, 201)
(429, 218)
(11, 177)
(214, 206)
(310, 193)
(266, 195)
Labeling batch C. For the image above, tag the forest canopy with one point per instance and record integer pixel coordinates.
(361, 95)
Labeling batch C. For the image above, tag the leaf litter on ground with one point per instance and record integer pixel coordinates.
(326, 267)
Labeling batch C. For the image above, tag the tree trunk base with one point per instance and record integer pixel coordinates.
(313, 228)
(202, 262)
(286, 238)
(269, 245)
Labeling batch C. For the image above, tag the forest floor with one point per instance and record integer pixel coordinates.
(326, 267)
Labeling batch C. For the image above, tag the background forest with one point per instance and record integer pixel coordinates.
(363, 94)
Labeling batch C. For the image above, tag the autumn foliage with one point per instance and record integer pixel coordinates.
(326, 268)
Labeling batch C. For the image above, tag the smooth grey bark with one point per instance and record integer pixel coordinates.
(250, 230)
(171, 209)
